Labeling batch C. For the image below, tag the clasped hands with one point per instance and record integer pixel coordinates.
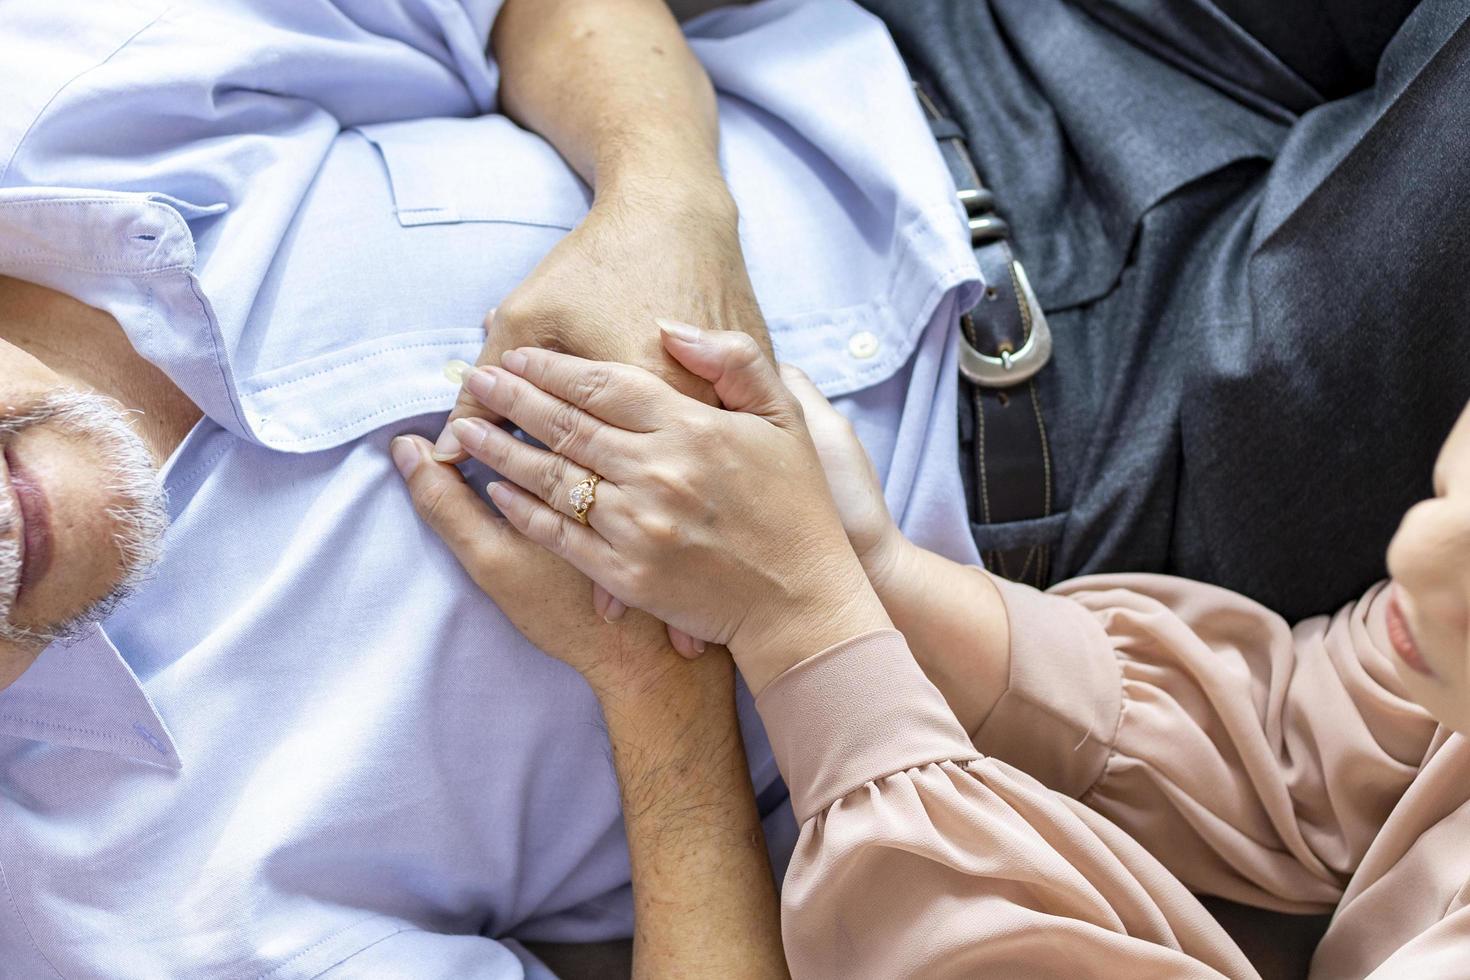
(716, 521)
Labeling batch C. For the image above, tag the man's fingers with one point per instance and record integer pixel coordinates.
(743, 376)
(618, 394)
(446, 503)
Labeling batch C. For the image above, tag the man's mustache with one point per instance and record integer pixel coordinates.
(10, 556)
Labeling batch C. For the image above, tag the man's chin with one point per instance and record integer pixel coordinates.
(15, 660)
(105, 516)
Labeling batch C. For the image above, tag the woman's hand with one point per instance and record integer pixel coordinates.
(951, 614)
(717, 522)
(875, 538)
(644, 248)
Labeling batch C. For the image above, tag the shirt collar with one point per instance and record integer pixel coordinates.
(83, 695)
(132, 256)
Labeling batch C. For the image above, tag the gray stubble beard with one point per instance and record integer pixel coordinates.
(140, 513)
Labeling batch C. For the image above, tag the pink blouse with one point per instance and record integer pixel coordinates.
(1158, 737)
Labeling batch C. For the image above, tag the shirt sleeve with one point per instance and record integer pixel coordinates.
(1256, 760)
(226, 111)
(919, 858)
(220, 102)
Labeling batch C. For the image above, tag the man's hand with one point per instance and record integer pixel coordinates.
(704, 900)
(655, 249)
(615, 88)
(543, 597)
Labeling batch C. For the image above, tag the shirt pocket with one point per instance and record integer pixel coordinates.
(449, 171)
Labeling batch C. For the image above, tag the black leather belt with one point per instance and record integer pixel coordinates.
(1005, 342)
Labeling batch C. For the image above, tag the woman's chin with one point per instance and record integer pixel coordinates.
(1448, 702)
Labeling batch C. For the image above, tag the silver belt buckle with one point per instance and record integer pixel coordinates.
(1011, 368)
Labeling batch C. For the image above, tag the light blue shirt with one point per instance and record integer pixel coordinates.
(310, 747)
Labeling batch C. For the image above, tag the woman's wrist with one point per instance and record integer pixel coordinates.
(840, 606)
(955, 622)
(890, 564)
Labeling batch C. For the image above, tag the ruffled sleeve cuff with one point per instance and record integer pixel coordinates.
(854, 713)
(1059, 715)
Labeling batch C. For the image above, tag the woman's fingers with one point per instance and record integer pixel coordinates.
(447, 449)
(743, 376)
(805, 390)
(830, 430)
(580, 546)
(564, 428)
(618, 394)
(612, 610)
(686, 645)
(609, 608)
(545, 474)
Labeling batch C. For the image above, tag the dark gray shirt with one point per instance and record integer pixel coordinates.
(1259, 296)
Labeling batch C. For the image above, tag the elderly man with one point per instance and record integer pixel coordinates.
(306, 744)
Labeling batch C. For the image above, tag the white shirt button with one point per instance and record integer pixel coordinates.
(863, 345)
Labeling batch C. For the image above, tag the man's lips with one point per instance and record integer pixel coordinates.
(1402, 639)
(35, 516)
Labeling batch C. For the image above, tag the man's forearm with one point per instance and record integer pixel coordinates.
(614, 87)
(704, 900)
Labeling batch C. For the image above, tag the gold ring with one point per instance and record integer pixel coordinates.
(583, 496)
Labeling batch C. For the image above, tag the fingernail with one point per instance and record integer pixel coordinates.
(470, 432)
(456, 370)
(480, 384)
(405, 455)
(447, 447)
(499, 493)
(699, 646)
(513, 361)
(681, 331)
(615, 611)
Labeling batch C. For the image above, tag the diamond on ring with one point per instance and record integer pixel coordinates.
(583, 496)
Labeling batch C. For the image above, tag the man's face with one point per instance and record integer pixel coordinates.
(81, 508)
